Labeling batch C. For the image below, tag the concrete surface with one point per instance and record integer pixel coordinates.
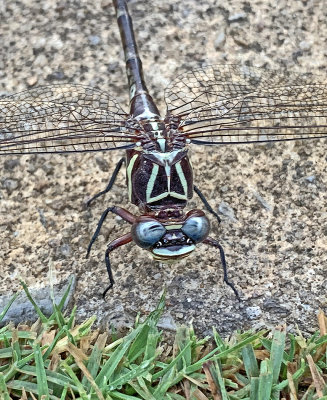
(272, 199)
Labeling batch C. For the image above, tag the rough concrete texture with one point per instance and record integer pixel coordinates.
(272, 199)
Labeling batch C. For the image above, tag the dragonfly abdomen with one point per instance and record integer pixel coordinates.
(142, 105)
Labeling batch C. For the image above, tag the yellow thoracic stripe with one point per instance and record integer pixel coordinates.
(167, 193)
(129, 175)
(152, 181)
(182, 178)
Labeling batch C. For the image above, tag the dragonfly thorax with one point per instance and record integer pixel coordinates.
(157, 134)
(159, 180)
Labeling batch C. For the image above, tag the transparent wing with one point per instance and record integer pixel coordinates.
(62, 118)
(223, 104)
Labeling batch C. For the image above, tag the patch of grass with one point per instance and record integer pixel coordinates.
(56, 359)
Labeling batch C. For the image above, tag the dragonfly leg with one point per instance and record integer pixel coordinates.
(110, 184)
(112, 246)
(124, 214)
(206, 204)
(215, 243)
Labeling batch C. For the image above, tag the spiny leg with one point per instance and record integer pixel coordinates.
(214, 243)
(98, 229)
(124, 214)
(111, 182)
(206, 204)
(112, 246)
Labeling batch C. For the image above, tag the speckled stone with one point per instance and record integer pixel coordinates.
(22, 309)
(275, 243)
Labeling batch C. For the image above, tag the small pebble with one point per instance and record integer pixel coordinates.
(65, 250)
(102, 163)
(31, 81)
(11, 163)
(237, 17)
(39, 43)
(10, 185)
(56, 75)
(225, 209)
(240, 39)
(220, 40)
(253, 312)
(55, 43)
(310, 178)
(106, 3)
(40, 61)
(167, 322)
(262, 201)
(94, 40)
(112, 67)
(305, 45)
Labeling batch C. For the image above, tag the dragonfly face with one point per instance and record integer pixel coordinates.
(173, 240)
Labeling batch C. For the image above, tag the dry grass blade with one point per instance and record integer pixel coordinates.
(199, 395)
(186, 388)
(318, 380)
(291, 385)
(212, 385)
(79, 357)
(48, 337)
(196, 382)
(54, 362)
(76, 352)
(322, 322)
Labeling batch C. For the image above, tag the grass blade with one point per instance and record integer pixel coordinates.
(254, 393)
(94, 360)
(265, 380)
(250, 362)
(42, 384)
(4, 394)
(42, 317)
(5, 310)
(277, 352)
(182, 341)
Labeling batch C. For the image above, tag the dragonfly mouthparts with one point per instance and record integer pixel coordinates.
(173, 246)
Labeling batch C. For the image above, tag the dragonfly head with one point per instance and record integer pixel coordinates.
(171, 240)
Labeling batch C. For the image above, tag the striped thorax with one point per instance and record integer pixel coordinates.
(159, 173)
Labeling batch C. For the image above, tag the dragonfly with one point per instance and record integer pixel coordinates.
(209, 106)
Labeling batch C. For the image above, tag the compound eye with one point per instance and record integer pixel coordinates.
(196, 228)
(146, 234)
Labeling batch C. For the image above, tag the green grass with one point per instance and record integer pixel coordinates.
(55, 359)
